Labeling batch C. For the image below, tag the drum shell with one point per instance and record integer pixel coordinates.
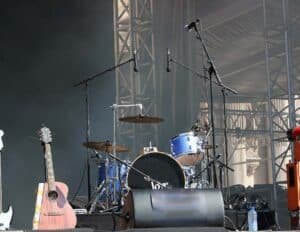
(187, 148)
(159, 166)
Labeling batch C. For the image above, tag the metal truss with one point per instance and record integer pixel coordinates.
(133, 31)
(280, 72)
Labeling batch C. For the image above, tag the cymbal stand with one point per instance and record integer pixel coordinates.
(115, 107)
(85, 82)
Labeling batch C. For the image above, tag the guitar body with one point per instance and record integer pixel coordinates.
(5, 219)
(56, 213)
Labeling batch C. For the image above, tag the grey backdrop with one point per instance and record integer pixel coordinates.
(45, 48)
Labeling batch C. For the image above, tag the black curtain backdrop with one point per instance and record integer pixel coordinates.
(45, 48)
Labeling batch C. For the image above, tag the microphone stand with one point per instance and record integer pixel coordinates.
(197, 175)
(221, 166)
(213, 71)
(85, 82)
(188, 68)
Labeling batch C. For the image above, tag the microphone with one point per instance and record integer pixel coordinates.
(190, 26)
(134, 61)
(168, 60)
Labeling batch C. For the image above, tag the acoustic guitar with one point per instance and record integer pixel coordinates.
(54, 212)
(5, 217)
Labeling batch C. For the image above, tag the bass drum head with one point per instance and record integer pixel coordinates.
(159, 166)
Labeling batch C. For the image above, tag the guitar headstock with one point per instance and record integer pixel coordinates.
(45, 135)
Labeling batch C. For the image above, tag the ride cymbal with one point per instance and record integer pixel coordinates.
(105, 146)
(141, 119)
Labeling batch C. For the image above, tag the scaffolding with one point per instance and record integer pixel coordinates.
(134, 32)
(256, 125)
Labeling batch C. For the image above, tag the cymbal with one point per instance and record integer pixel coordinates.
(141, 119)
(105, 146)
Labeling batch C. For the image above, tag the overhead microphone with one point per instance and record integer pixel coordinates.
(134, 61)
(168, 60)
(192, 25)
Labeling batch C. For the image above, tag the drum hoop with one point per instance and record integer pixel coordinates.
(192, 133)
(164, 153)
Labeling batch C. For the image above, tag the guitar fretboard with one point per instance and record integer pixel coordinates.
(49, 167)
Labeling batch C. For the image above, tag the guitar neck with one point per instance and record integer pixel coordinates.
(49, 168)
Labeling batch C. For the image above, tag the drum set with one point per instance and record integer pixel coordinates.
(185, 167)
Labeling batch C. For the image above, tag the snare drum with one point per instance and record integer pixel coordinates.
(159, 166)
(187, 148)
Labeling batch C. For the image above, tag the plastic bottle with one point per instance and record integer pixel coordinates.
(252, 219)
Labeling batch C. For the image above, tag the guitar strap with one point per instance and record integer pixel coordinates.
(38, 204)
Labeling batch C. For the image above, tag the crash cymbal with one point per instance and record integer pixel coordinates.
(141, 119)
(105, 146)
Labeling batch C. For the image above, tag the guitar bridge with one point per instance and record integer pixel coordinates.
(54, 213)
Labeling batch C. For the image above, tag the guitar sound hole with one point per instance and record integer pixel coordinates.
(52, 195)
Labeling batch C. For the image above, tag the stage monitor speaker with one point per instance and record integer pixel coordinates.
(145, 208)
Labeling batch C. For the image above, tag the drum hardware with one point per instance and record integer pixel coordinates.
(221, 166)
(85, 82)
(197, 175)
(189, 172)
(209, 146)
(104, 192)
(94, 199)
(112, 170)
(145, 150)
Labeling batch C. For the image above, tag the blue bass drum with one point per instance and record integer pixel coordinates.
(187, 148)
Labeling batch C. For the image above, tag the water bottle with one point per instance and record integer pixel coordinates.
(252, 219)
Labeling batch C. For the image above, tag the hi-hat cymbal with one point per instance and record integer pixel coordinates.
(105, 146)
(141, 119)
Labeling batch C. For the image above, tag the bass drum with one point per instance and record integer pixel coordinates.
(159, 166)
